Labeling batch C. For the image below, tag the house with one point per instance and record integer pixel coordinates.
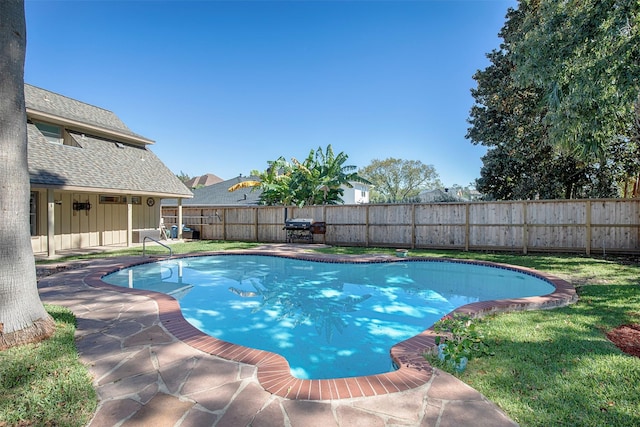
(203, 181)
(218, 195)
(357, 195)
(436, 196)
(93, 181)
(474, 195)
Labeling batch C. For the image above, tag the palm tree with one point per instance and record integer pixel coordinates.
(333, 174)
(315, 181)
(274, 182)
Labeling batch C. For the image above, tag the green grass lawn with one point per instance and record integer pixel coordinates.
(45, 384)
(552, 367)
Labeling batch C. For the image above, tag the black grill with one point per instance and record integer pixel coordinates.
(303, 228)
(298, 224)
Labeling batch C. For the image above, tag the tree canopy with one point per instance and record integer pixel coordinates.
(585, 57)
(317, 180)
(183, 177)
(558, 107)
(397, 180)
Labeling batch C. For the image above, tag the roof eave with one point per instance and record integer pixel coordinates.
(81, 126)
(77, 188)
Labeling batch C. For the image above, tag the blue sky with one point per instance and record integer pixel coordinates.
(225, 86)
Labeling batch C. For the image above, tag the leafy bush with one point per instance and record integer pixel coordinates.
(460, 340)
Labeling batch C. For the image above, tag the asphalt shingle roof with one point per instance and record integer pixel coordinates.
(61, 106)
(97, 163)
(218, 195)
(203, 180)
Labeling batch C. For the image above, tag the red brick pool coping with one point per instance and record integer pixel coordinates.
(273, 370)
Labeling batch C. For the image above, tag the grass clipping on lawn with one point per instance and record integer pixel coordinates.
(45, 383)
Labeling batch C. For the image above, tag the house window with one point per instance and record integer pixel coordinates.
(120, 200)
(33, 213)
(56, 134)
(52, 133)
(113, 199)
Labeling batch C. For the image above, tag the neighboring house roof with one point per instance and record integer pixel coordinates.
(107, 156)
(361, 184)
(218, 195)
(203, 180)
(474, 195)
(436, 195)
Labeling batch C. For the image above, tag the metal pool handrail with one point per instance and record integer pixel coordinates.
(144, 242)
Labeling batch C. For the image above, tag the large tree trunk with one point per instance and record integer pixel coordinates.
(23, 318)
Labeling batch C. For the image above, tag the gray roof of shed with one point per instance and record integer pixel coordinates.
(98, 163)
(218, 195)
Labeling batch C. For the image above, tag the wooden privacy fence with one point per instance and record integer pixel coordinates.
(589, 226)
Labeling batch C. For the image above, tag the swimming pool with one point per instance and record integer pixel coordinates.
(329, 320)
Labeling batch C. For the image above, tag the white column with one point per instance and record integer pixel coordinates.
(129, 222)
(51, 224)
(179, 218)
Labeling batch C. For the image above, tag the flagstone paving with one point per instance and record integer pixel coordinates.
(145, 376)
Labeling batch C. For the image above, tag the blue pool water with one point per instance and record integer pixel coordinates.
(329, 320)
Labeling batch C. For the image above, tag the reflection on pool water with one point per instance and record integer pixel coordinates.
(329, 320)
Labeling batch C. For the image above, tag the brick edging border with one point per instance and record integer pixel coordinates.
(273, 370)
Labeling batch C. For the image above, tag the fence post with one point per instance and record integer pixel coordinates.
(587, 244)
(366, 227)
(224, 224)
(324, 219)
(525, 229)
(256, 228)
(413, 226)
(466, 226)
